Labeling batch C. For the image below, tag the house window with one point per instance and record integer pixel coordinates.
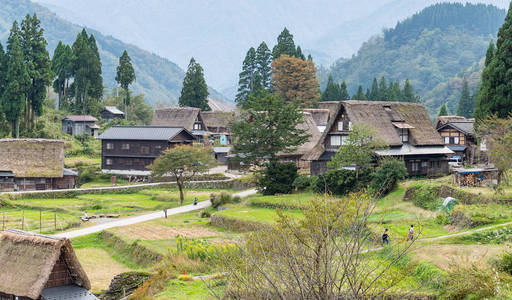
(415, 167)
(110, 146)
(197, 126)
(128, 162)
(335, 140)
(125, 146)
(144, 149)
(108, 161)
(404, 134)
(446, 140)
(424, 164)
(340, 126)
(158, 147)
(456, 140)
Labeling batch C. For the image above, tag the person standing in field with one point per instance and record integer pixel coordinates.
(385, 237)
(410, 235)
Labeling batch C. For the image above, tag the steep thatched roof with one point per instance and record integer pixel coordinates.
(384, 117)
(311, 128)
(217, 119)
(32, 157)
(27, 261)
(176, 117)
(321, 116)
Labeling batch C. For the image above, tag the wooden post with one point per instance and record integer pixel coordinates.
(165, 212)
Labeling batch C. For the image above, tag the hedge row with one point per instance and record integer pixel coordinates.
(234, 224)
(137, 253)
(443, 191)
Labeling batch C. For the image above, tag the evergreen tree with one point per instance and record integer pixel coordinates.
(393, 93)
(408, 94)
(443, 111)
(374, 92)
(299, 53)
(18, 81)
(495, 95)
(367, 94)
(359, 95)
(195, 91)
(62, 67)
(310, 58)
(3, 69)
(331, 92)
(383, 89)
(125, 76)
(466, 105)
(343, 92)
(285, 45)
(490, 53)
(246, 77)
(37, 61)
(87, 86)
(264, 65)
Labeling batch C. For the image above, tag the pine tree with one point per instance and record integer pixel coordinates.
(490, 53)
(246, 77)
(3, 69)
(495, 95)
(18, 81)
(264, 65)
(285, 45)
(393, 93)
(360, 94)
(37, 61)
(299, 54)
(343, 92)
(383, 89)
(466, 105)
(408, 94)
(374, 92)
(62, 67)
(443, 111)
(125, 76)
(331, 92)
(195, 91)
(310, 58)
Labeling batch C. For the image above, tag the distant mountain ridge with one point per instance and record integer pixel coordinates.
(434, 49)
(159, 79)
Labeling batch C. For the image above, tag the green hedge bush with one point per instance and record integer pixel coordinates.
(277, 178)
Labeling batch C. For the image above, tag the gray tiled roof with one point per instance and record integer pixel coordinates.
(113, 110)
(155, 133)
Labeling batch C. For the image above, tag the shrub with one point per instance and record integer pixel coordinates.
(302, 183)
(426, 197)
(386, 177)
(202, 250)
(277, 178)
(221, 199)
(429, 275)
(340, 182)
(503, 262)
(205, 213)
(185, 278)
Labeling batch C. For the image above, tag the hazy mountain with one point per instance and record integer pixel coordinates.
(434, 49)
(158, 78)
(218, 33)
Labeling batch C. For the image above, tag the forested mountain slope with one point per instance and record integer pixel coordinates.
(158, 78)
(434, 48)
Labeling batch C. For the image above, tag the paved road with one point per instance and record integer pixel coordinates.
(143, 218)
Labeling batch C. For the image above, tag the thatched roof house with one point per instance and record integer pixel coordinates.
(320, 116)
(32, 158)
(405, 127)
(36, 265)
(218, 121)
(184, 117)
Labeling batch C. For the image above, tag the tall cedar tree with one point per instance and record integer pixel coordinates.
(125, 76)
(331, 92)
(195, 91)
(495, 95)
(408, 94)
(269, 126)
(343, 92)
(87, 86)
(359, 95)
(443, 111)
(285, 45)
(18, 81)
(264, 65)
(374, 92)
(62, 67)
(37, 61)
(3, 70)
(383, 89)
(466, 105)
(295, 80)
(246, 77)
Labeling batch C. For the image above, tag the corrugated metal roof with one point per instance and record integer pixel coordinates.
(457, 148)
(155, 133)
(68, 172)
(407, 149)
(76, 118)
(114, 110)
(67, 292)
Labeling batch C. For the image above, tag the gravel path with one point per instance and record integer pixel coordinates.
(144, 218)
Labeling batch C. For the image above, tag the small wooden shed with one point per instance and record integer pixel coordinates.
(35, 266)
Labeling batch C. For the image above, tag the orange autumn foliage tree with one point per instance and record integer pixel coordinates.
(295, 80)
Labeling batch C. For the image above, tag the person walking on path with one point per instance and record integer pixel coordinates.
(410, 235)
(385, 237)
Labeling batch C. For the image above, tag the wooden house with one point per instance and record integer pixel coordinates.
(77, 125)
(189, 118)
(320, 116)
(458, 134)
(110, 113)
(33, 164)
(128, 150)
(40, 267)
(406, 128)
(218, 124)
